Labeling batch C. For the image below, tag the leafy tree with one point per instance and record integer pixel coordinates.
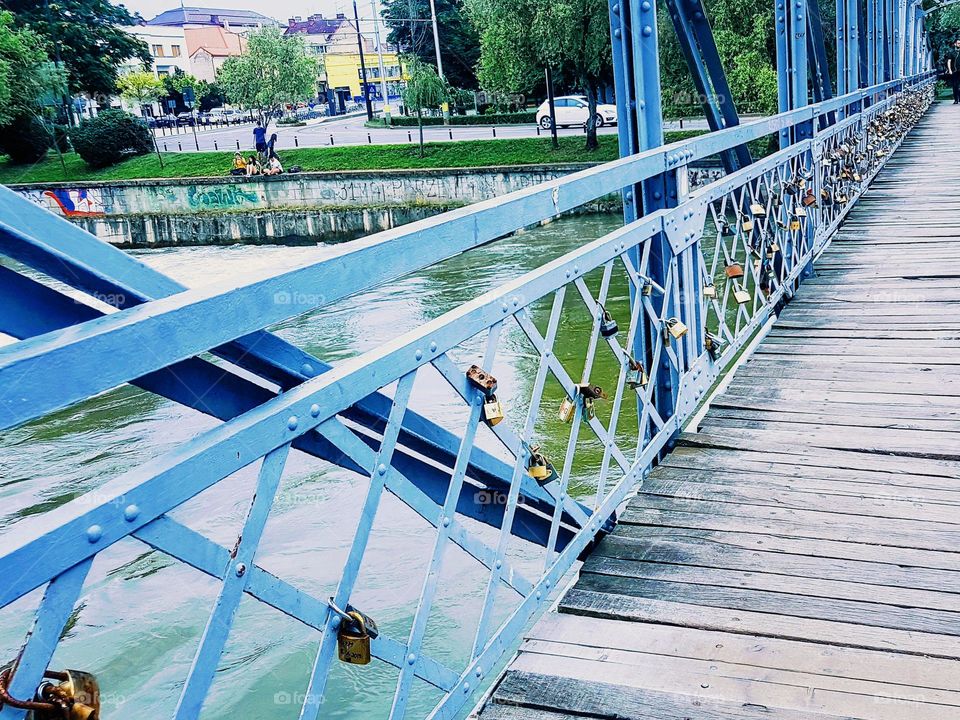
(944, 27)
(86, 35)
(276, 69)
(174, 86)
(140, 88)
(110, 137)
(459, 43)
(425, 90)
(518, 38)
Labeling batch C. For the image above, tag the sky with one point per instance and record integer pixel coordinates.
(279, 9)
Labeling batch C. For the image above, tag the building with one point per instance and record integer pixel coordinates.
(334, 41)
(209, 47)
(238, 20)
(168, 49)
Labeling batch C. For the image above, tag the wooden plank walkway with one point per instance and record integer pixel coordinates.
(799, 556)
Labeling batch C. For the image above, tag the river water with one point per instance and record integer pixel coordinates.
(142, 613)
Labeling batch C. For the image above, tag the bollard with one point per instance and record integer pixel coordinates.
(215, 146)
(179, 146)
(165, 148)
(331, 141)
(681, 123)
(238, 144)
(450, 133)
(538, 131)
(296, 141)
(409, 136)
(494, 131)
(369, 139)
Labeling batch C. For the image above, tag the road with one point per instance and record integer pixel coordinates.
(350, 130)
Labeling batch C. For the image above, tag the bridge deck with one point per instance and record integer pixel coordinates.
(799, 557)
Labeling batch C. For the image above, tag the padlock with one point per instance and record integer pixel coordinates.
(492, 411)
(809, 200)
(676, 328)
(733, 270)
(567, 410)
(725, 229)
(709, 291)
(593, 392)
(790, 188)
(636, 376)
(72, 694)
(588, 408)
(741, 295)
(758, 210)
(647, 288)
(857, 177)
(540, 468)
(482, 380)
(354, 636)
(608, 326)
(794, 225)
(713, 344)
(800, 211)
(746, 224)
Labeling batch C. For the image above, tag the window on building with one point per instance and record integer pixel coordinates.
(158, 51)
(174, 51)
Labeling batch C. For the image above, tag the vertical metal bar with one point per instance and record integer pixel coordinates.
(55, 609)
(842, 87)
(351, 569)
(783, 66)
(797, 43)
(235, 577)
(493, 582)
(871, 42)
(429, 588)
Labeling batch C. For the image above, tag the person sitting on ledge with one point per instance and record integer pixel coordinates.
(273, 167)
(239, 165)
(253, 167)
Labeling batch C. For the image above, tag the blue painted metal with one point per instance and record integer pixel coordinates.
(662, 246)
(700, 51)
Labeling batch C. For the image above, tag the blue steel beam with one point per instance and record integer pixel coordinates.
(819, 68)
(700, 51)
(32, 308)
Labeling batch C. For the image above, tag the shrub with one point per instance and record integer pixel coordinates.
(488, 119)
(25, 140)
(110, 137)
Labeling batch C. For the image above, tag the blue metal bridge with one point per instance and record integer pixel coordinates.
(709, 271)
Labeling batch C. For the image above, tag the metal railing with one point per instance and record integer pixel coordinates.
(738, 248)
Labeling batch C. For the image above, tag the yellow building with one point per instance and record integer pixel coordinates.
(335, 42)
(342, 71)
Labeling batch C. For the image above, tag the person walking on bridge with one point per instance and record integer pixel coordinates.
(953, 70)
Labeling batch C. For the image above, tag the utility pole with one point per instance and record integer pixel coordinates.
(363, 65)
(552, 105)
(436, 47)
(383, 72)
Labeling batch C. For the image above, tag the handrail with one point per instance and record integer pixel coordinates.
(739, 247)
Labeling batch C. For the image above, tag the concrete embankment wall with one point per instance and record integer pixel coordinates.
(304, 207)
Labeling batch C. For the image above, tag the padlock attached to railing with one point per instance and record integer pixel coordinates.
(487, 384)
(354, 636)
(66, 695)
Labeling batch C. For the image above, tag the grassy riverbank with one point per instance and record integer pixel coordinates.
(465, 153)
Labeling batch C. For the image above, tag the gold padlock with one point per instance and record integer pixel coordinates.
(540, 468)
(353, 640)
(567, 409)
(647, 289)
(758, 210)
(75, 695)
(800, 211)
(492, 411)
(709, 291)
(636, 376)
(746, 224)
(741, 295)
(676, 328)
(794, 225)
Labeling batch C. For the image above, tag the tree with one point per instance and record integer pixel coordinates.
(22, 60)
(944, 27)
(140, 88)
(518, 38)
(425, 89)
(275, 70)
(86, 35)
(413, 34)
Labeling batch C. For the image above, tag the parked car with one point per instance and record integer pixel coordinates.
(166, 121)
(574, 110)
(186, 118)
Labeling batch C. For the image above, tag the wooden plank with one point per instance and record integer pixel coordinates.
(608, 700)
(580, 601)
(750, 650)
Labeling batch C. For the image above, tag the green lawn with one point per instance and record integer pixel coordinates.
(466, 153)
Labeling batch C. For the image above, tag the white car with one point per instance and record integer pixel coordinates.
(574, 110)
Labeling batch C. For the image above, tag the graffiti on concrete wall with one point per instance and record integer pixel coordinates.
(225, 197)
(71, 203)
